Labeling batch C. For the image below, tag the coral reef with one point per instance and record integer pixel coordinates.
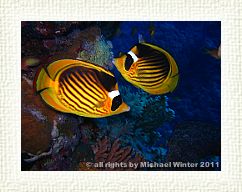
(56, 141)
(35, 133)
(65, 137)
(87, 44)
(37, 120)
(44, 131)
(47, 135)
(95, 49)
(109, 156)
(88, 132)
(139, 127)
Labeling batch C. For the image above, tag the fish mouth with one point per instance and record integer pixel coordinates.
(125, 107)
(128, 109)
(115, 60)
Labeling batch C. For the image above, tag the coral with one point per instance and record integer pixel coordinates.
(88, 132)
(88, 44)
(95, 48)
(60, 155)
(198, 91)
(58, 141)
(139, 127)
(111, 156)
(35, 133)
(136, 99)
(46, 132)
(37, 120)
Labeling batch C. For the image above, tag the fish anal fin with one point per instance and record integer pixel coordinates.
(53, 101)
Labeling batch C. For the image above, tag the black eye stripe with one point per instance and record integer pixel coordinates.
(128, 62)
(117, 101)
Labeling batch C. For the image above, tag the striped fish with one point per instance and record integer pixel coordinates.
(81, 88)
(150, 68)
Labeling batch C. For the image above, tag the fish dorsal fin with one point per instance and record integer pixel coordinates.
(54, 68)
(155, 47)
(146, 49)
(94, 66)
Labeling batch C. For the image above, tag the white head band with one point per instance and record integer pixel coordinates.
(113, 94)
(134, 57)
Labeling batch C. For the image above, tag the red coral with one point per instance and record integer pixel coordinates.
(108, 154)
(88, 132)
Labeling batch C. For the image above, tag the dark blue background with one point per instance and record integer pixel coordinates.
(198, 94)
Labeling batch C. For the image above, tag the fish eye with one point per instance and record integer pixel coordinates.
(128, 62)
(117, 101)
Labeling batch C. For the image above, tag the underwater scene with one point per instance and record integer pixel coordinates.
(121, 96)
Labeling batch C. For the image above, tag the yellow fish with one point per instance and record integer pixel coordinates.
(81, 88)
(150, 68)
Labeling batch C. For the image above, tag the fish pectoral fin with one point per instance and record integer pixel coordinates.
(98, 105)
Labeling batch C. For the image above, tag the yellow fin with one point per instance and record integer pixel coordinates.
(58, 66)
(45, 86)
(54, 68)
(42, 81)
(173, 76)
(51, 99)
(155, 47)
(94, 66)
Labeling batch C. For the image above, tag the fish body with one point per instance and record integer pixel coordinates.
(81, 88)
(150, 68)
(216, 53)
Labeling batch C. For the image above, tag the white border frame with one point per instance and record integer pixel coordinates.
(13, 11)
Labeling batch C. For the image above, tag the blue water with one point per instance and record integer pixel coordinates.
(198, 94)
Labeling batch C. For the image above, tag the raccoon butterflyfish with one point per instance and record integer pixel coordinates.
(81, 88)
(150, 68)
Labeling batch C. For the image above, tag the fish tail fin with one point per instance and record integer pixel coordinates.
(45, 76)
(171, 82)
(174, 76)
(45, 86)
(42, 81)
